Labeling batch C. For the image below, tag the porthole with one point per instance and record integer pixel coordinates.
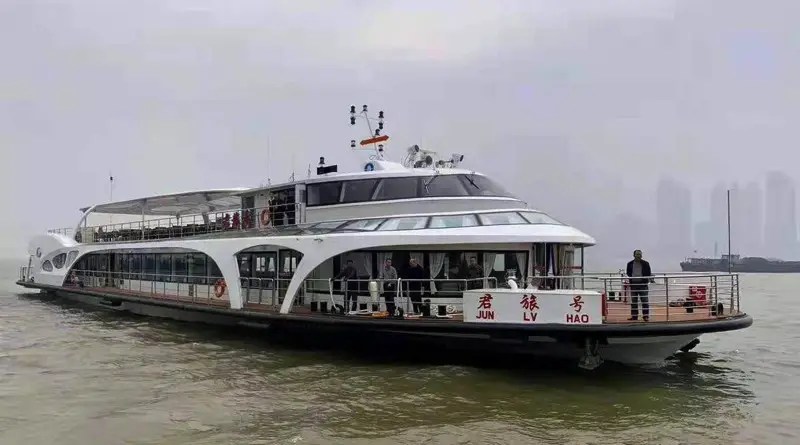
(47, 266)
(59, 260)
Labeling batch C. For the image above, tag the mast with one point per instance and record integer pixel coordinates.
(729, 230)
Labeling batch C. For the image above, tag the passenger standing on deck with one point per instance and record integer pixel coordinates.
(416, 275)
(640, 275)
(350, 275)
(388, 277)
(474, 274)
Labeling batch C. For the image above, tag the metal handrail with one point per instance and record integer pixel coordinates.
(162, 285)
(242, 219)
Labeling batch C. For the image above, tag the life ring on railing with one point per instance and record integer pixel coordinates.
(219, 288)
(265, 217)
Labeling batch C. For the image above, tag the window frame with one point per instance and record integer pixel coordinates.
(319, 185)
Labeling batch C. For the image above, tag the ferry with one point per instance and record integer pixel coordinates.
(420, 251)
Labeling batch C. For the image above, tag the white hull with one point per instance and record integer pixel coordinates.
(623, 350)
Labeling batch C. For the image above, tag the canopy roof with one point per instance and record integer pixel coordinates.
(186, 203)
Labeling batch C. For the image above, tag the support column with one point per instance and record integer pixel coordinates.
(230, 272)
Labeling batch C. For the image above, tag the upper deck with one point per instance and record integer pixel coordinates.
(390, 190)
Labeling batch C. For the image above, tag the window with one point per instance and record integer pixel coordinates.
(443, 185)
(397, 188)
(325, 193)
(47, 266)
(359, 191)
(330, 225)
(58, 260)
(482, 186)
(72, 255)
(409, 223)
(150, 266)
(539, 218)
(446, 222)
(179, 270)
(244, 265)
(197, 267)
(136, 266)
(497, 219)
(364, 224)
(213, 270)
(164, 266)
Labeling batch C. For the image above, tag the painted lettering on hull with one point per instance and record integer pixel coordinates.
(485, 315)
(529, 316)
(577, 318)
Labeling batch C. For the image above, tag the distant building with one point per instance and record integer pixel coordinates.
(780, 225)
(674, 218)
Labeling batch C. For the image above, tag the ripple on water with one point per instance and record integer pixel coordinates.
(71, 376)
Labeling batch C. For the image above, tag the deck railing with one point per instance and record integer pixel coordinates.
(670, 297)
(255, 218)
(186, 288)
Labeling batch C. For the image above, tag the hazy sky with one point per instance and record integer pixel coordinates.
(578, 106)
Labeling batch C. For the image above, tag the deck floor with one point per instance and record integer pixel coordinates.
(619, 312)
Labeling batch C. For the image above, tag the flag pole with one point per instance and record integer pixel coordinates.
(729, 231)
(110, 194)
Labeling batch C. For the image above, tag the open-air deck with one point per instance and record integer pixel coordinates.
(673, 298)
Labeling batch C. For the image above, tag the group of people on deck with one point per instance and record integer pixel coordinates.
(637, 270)
(414, 275)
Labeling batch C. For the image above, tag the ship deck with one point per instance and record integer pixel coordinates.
(619, 312)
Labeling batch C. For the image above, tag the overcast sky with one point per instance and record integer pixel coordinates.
(578, 106)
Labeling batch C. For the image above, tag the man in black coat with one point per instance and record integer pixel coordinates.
(640, 275)
(416, 276)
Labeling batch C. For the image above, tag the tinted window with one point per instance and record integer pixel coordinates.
(325, 193)
(72, 255)
(441, 222)
(179, 270)
(364, 224)
(482, 186)
(443, 185)
(359, 191)
(539, 218)
(410, 223)
(59, 260)
(397, 188)
(164, 267)
(496, 219)
(47, 266)
(329, 225)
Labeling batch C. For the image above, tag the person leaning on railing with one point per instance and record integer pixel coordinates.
(350, 275)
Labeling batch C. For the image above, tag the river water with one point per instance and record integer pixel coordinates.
(70, 375)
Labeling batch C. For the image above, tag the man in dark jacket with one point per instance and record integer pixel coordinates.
(350, 276)
(640, 275)
(416, 276)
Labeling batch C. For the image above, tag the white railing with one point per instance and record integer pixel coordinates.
(186, 288)
(256, 218)
(668, 297)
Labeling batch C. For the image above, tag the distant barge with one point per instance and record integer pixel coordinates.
(740, 265)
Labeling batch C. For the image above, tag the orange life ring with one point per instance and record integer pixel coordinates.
(219, 288)
(265, 217)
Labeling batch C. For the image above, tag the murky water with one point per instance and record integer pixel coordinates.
(74, 376)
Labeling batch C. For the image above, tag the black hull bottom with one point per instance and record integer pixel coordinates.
(630, 344)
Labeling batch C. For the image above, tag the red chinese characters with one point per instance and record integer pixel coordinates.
(485, 310)
(529, 308)
(577, 305)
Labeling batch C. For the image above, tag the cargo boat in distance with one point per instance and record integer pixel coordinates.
(474, 269)
(740, 265)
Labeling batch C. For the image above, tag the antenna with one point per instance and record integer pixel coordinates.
(729, 230)
(110, 194)
(374, 136)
